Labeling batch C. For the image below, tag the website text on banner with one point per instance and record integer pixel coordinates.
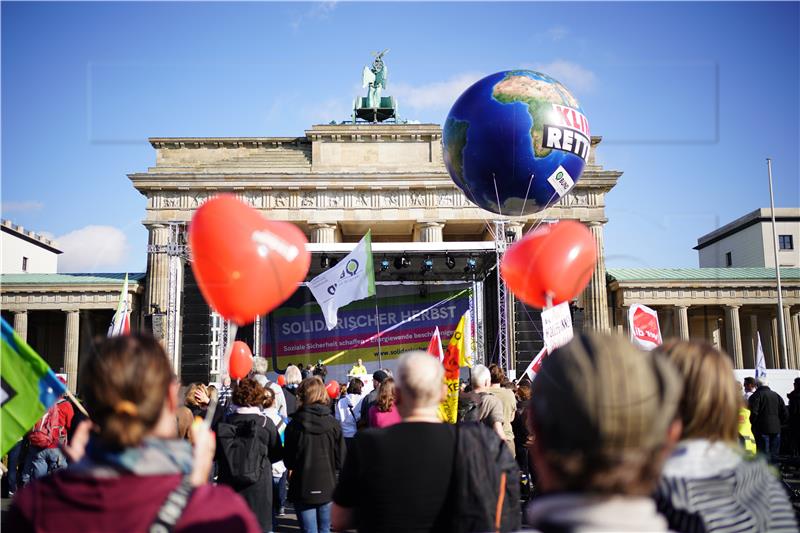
(296, 332)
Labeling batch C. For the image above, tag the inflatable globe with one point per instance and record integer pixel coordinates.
(515, 142)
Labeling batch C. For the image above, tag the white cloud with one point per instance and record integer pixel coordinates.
(21, 207)
(92, 249)
(556, 33)
(332, 109)
(439, 94)
(317, 11)
(575, 77)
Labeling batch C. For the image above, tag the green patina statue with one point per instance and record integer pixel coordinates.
(375, 108)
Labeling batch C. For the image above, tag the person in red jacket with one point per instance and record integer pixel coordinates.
(132, 473)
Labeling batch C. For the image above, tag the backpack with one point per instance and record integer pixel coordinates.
(49, 431)
(485, 482)
(243, 452)
(469, 407)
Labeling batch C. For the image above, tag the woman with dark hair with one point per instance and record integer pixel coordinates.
(348, 409)
(130, 462)
(708, 484)
(384, 412)
(247, 445)
(314, 453)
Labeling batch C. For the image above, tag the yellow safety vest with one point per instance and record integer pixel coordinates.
(746, 432)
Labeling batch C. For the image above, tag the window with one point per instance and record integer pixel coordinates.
(785, 242)
(24, 264)
(728, 259)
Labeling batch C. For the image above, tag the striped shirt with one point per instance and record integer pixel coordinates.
(709, 486)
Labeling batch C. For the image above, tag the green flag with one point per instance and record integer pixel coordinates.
(27, 387)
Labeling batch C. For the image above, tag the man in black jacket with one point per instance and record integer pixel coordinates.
(767, 414)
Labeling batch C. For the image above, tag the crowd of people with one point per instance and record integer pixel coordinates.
(606, 438)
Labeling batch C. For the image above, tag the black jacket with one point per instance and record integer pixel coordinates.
(290, 393)
(794, 409)
(314, 453)
(767, 411)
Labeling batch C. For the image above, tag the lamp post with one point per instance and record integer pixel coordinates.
(781, 324)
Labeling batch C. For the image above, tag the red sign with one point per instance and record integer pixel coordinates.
(643, 322)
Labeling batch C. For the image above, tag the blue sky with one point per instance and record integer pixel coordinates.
(690, 99)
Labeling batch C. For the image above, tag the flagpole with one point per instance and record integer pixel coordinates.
(781, 328)
(378, 327)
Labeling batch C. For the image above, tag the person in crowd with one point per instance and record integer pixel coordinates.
(293, 379)
(44, 455)
(314, 453)
(767, 414)
(358, 369)
(478, 405)
(369, 400)
(278, 467)
(749, 385)
(260, 368)
(197, 399)
(507, 400)
(794, 418)
(184, 419)
(520, 426)
(13, 466)
(247, 445)
(225, 391)
(384, 413)
(602, 414)
(348, 410)
(707, 484)
(213, 393)
(406, 466)
(127, 460)
(746, 438)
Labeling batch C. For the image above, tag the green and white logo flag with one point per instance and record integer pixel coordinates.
(353, 278)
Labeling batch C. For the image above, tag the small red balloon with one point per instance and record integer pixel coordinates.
(333, 389)
(241, 360)
(556, 259)
(281, 380)
(245, 265)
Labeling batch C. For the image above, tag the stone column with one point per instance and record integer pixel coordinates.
(754, 336)
(431, 231)
(323, 233)
(733, 334)
(682, 314)
(775, 342)
(791, 348)
(595, 295)
(157, 270)
(21, 324)
(71, 337)
(795, 321)
(622, 323)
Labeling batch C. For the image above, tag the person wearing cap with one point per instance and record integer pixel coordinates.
(708, 483)
(602, 415)
(371, 399)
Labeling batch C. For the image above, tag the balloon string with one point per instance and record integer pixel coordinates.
(394, 327)
(233, 328)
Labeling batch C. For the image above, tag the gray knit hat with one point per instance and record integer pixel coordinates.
(599, 393)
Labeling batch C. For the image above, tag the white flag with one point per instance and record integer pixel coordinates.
(121, 323)
(535, 365)
(761, 365)
(353, 278)
(644, 328)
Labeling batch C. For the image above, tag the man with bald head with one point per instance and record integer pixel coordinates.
(397, 478)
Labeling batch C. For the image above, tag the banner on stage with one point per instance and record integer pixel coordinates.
(644, 328)
(297, 333)
(556, 326)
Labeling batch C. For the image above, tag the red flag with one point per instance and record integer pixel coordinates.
(536, 364)
(435, 346)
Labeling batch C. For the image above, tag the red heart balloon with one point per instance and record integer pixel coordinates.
(245, 265)
(281, 380)
(241, 360)
(333, 389)
(556, 259)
